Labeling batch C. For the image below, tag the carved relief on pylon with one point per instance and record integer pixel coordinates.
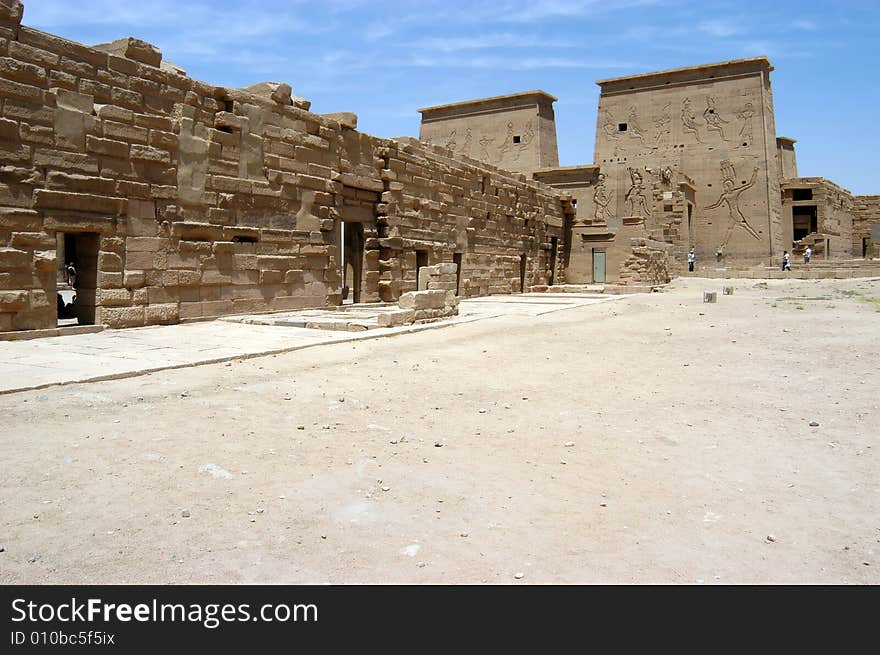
(662, 124)
(730, 197)
(689, 123)
(601, 200)
(745, 117)
(714, 121)
(635, 201)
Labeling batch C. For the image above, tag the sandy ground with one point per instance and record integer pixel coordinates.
(652, 439)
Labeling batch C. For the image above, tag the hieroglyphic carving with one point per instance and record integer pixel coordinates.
(466, 148)
(450, 140)
(485, 142)
(666, 175)
(714, 121)
(689, 120)
(745, 117)
(633, 128)
(609, 126)
(508, 141)
(662, 123)
(635, 200)
(730, 196)
(528, 134)
(601, 200)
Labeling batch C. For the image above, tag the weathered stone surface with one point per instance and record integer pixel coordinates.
(423, 300)
(11, 258)
(11, 12)
(132, 48)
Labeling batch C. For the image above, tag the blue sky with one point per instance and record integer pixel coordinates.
(383, 60)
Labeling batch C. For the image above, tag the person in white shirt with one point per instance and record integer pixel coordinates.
(808, 253)
(692, 257)
(786, 261)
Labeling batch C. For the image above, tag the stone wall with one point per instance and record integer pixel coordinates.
(866, 226)
(651, 263)
(712, 124)
(182, 200)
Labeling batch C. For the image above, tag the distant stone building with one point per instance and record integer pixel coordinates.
(684, 158)
(515, 132)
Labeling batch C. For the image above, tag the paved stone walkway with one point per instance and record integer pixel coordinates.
(115, 354)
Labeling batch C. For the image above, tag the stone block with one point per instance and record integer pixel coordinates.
(44, 260)
(109, 261)
(109, 147)
(422, 300)
(45, 199)
(728, 291)
(11, 12)
(710, 296)
(121, 317)
(113, 297)
(150, 154)
(143, 244)
(13, 301)
(162, 314)
(396, 318)
(447, 268)
(133, 279)
(32, 240)
(14, 258)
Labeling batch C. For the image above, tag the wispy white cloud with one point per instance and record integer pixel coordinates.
(489, 41)
(805, 24)
(516, 63)
(539, 10)
(721, 27)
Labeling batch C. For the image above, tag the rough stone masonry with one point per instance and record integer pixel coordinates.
(173, 199)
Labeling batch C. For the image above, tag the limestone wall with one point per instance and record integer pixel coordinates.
(650, 263)
(516, 132)
(866, 226)
(186, 200)
(712, 124)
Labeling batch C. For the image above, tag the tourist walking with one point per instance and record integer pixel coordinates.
(808, 253)
(786, 261)
(692, 258)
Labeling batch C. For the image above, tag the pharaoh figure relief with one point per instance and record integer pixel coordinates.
(714, 122)
(601, 200)
(633, 128)
(485, 142)
(662, 123)
(609, 127)
(745, 118)
(513, 142)
(506, 145)
(450, 140)
(635, 201)
(730, 197)
(689, 123)
(466, 148)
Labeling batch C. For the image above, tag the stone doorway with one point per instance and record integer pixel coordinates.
(352, 261)
(77, 277)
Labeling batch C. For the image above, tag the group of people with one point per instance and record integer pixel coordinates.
(786, 259)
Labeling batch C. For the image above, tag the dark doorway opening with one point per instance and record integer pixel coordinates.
(522, 273)
(421, 262)
(353, 261)
(554, 246)
(77, 283)
(456, 258)
(691, 240)
(804, 221)
(864, 248)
